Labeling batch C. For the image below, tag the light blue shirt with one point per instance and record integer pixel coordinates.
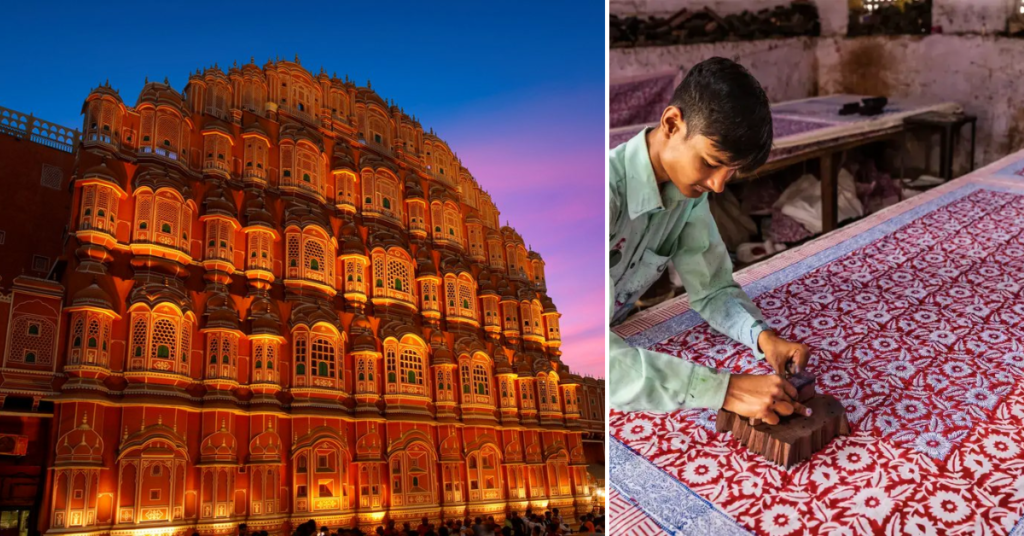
(652, 225)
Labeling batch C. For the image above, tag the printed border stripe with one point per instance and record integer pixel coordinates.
(668, 502)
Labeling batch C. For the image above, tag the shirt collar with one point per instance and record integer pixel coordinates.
(643, 192)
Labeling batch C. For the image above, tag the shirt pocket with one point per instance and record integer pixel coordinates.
(646, 271)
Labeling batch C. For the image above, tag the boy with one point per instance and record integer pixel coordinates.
(718, 122)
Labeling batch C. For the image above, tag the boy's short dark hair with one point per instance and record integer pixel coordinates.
(720, 100)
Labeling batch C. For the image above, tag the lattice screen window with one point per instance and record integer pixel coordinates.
(510, 254)
(537, 315)
(40, 263)
(467, 384)
(511, 316)
(293, 255)
(32, 341)
(322, 358)
(287, 162)
(451, 295)
(491, 313)
(164, 339)
(315, 260)
(452, 224)
(300, 358)
(51, 177)
(398, 274)
(436, 218)
(354, 277)
(497, 261)
(481, 380)
(467, 297)
(367, 176)
(527, 318)
(412, 367)
(391, 355)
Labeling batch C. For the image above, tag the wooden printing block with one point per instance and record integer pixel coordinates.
(796, 437)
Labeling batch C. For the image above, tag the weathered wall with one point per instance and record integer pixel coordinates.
(974, 68)
(833, 13)
(785, 67)
(982, 74)
(971, 16)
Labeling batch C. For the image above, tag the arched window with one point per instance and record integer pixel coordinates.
(379, 129)
(460, 296)
(452, 223)
(264, 357)
(311, 254)
(160, 339)
(223, 355)
(387, 195)
(405, 362)
(482, 468)
(318, 355)
(99, 208)
(345, 184)
(220, 235)
(393, 276)
(475, 373)
(321, 477)
(412, 476)
(260, 250)
(301, 167)
(255, 158)
(163, 218)
(217, 153)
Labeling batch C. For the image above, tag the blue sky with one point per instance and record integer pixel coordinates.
(517, 90)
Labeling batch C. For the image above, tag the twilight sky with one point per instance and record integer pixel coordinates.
(516, 90)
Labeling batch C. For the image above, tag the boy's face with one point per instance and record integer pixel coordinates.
(692, 163)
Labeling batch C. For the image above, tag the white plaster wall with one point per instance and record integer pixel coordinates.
(972, 16)
(833, 13)
(786, 68)
(982, 74)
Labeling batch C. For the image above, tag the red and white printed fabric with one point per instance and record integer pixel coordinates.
(915, 318)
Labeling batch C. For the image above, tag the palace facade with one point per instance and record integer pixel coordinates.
(281, 299)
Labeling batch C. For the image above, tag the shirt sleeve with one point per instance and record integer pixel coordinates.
(705, 268)
(642, 380)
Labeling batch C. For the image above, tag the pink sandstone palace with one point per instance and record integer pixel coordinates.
(278, 299)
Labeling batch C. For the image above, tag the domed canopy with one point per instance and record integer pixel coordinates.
(216, 202)
(221, 313)
(413, 190)
(362, 335)
(256, 213)
(310, 314)
(265, 320)
(425, 263)
(255, 128)
(342, 159)
(351, 242)
(440, 354)
(104, 173)
(549, 306)
(93, 296)
(303, 215)
(155, 178)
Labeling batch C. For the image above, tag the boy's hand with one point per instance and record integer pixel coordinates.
(779, 352)
(764, 397)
